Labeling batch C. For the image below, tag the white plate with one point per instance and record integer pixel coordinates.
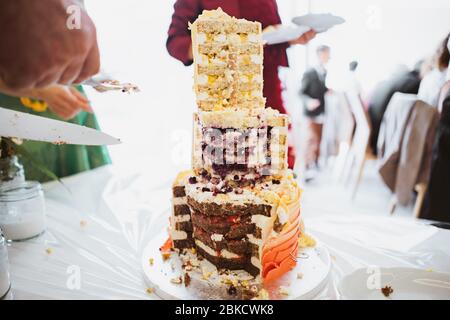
(313, 263)
(320, 22)
(284, 34)
(407, 284)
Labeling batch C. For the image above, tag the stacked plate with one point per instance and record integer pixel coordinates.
(318, 22)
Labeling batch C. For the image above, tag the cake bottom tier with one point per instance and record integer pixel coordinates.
(253, 228)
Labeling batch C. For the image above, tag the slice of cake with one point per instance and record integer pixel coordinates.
(228, 62)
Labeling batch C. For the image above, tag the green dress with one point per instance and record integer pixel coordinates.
(62, 160)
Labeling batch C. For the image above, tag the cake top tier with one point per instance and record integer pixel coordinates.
(228, 62)
(217, 21)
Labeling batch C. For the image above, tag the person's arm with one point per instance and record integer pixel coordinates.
(179, 43)
(304, 38)
(41, 48)
(64, 101)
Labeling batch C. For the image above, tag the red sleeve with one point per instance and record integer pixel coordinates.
(179, 36)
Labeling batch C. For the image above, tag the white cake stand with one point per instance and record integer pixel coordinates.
(305, 281)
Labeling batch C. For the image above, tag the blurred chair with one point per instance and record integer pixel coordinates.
(337, 133)
(344, 133)
(359, 151)
(405, 147)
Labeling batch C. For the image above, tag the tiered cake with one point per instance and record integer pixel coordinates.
(239, 206)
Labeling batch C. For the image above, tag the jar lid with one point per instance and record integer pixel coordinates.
(20, 191)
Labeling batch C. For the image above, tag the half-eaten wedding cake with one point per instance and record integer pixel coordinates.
(238, 208)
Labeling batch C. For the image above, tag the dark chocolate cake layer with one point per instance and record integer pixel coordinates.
(184, 244)
(184, 226)
(178, 191)
(238, 246)
(181, 209)
(228, 209)
(253, 249)
(231, 226)
(231, 264)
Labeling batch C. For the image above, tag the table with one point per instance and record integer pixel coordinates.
(100, 221)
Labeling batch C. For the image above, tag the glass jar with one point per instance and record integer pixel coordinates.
(11, 171)
(22, 211)
(5, 284)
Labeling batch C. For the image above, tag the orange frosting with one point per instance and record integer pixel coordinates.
(167, 246)
(280, 252)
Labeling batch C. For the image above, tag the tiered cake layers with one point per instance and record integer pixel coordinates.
(228, 56)
(239, 207)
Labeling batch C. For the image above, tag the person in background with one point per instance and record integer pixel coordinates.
(61, 103)
(265, 11)
(432, 83)
(407, 81)
(353, 82)
(312, 92)
(436, 203)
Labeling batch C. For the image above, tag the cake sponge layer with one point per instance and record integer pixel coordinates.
(231, 49)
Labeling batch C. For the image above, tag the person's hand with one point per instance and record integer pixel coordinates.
(304, 38)
(312, 104)
(38, 49)
(65, 101)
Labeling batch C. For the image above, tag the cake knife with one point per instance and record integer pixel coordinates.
(21, 125)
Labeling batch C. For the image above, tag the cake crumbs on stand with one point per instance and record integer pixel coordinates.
(387, 291)
(284, 291)
(187, 279)
(176, 280)
(263, 294)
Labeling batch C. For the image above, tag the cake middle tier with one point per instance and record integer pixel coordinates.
(240, 145)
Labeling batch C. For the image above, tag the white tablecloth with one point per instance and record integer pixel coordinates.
(97, 231)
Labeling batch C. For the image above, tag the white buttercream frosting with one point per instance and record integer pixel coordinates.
(220, 38)
(179, 201)
(218, 62)
(178, 234)
(255, 261)
(260, 221)
(252, 239)
(201, 38)
(254, 38)
(217, 237)
(255, 58)
(182, 218)
(223, 253)
(202, 79)
(203, 96)
(257, 78)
